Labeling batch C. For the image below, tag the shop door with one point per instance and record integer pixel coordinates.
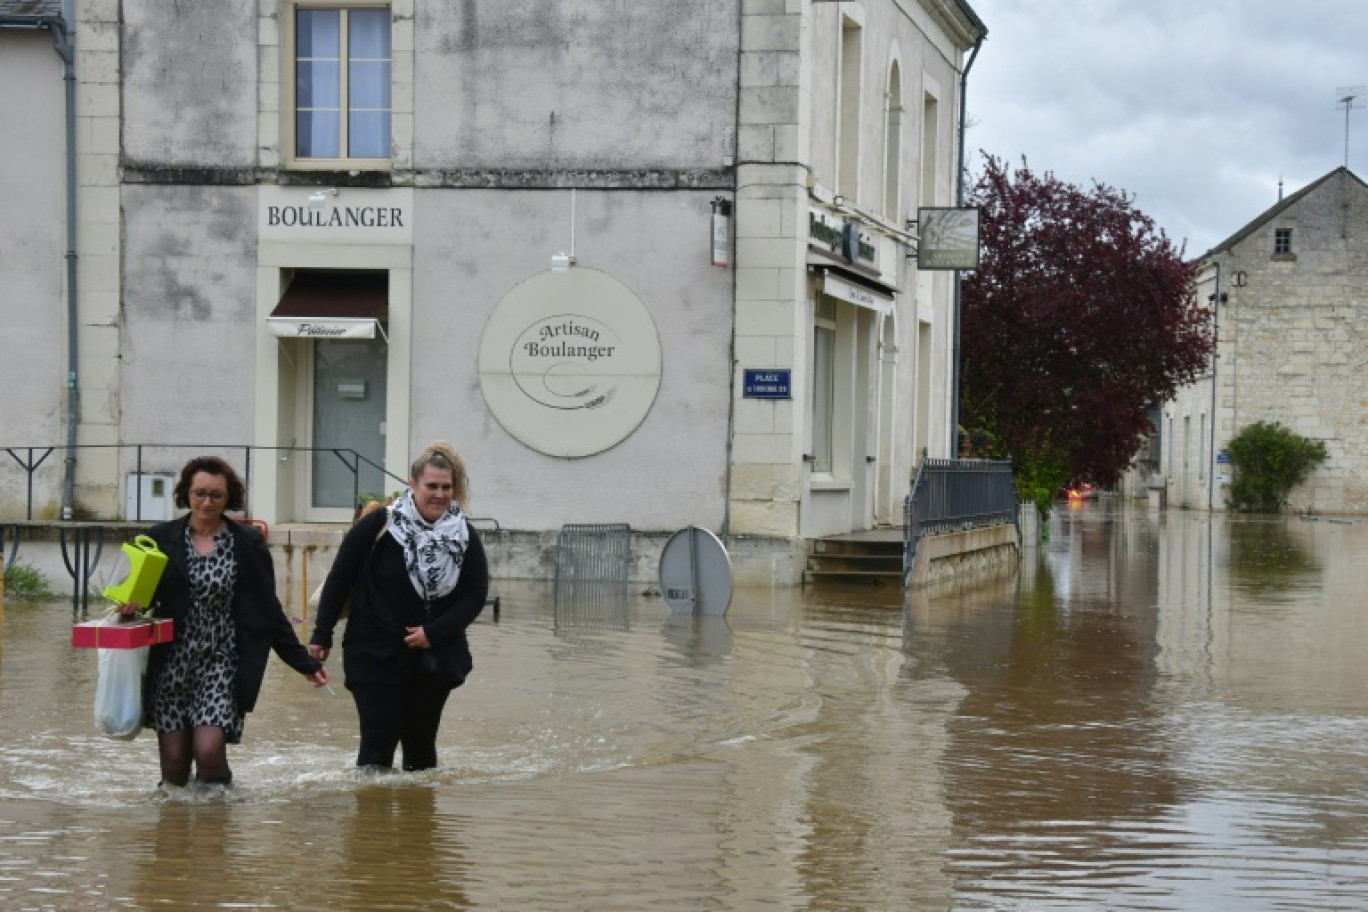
(349, 415)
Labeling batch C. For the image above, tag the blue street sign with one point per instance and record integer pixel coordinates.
(766, 384)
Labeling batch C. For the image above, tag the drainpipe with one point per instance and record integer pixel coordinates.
(64, 43)
(1215, 353)
(959, 201)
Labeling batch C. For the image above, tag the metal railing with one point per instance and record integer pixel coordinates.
(82, 542)
(593, 563)
(34, 457)
(950, 495)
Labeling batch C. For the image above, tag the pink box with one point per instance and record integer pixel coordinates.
(129, 635)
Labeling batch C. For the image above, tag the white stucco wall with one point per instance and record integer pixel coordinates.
(472, 247)
(529, 84)
(790, 110)
(189, 96)
(189, 318)
(33, 352)
(890, 31)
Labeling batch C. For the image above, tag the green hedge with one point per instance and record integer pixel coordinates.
(1267, 462)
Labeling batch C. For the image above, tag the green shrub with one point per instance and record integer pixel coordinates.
(1267, 462)
(1038, 481)
(27, 584)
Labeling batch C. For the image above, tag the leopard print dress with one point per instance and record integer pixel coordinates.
(196, 684)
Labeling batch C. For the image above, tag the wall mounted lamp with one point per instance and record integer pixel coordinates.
(562, 261)
(319, 198)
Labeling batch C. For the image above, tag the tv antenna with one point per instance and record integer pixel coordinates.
(1349, 97)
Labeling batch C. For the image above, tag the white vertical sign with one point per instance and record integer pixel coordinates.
(721, 232)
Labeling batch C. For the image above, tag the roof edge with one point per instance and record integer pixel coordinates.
(1272, 211)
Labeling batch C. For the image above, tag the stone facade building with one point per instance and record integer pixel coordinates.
(643, 263)
(1292, 348)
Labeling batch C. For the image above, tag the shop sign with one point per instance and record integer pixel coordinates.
(839, 288)
(948, 238)
(348, 216)
(842, 237)
(570, 362)
(321, 328)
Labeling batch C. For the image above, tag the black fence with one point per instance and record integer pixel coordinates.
(950, 495)
(168, 458)
(82, 542)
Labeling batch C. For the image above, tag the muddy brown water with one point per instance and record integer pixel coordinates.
(1157, 712)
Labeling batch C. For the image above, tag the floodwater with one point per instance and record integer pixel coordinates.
(1158, 712)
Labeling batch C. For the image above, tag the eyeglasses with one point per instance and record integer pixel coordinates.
(214, 496)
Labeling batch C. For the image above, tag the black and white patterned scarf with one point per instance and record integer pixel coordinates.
(433, 551)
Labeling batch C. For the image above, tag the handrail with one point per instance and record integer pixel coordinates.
(950, 495)
(30, 464)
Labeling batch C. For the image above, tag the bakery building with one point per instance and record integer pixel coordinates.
(649, 264)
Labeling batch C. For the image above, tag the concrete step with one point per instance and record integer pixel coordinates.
(854, 558)
(852, 546)
(854, 563)
(816, 577)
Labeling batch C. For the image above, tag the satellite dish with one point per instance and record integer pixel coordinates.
(695, 573)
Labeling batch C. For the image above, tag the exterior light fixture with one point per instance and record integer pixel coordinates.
(562, 261)
(319, 198)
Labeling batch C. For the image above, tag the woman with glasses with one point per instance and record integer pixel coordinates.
(219, 588)
(416, 577)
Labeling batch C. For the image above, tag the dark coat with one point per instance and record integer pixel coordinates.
(257, 613)
(384, 602)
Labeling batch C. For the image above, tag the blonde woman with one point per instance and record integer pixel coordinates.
(417, 577)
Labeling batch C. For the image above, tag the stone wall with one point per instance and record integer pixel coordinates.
(1295, 339)
(963, 557)
(1293, 348)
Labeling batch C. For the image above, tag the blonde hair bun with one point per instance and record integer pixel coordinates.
(442, 455)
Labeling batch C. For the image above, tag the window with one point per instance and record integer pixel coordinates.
(1201, 439)
(1171, 468)
(848, 150)
(893, 113)
(930, 144)
(341, 104)
(1282, 241)
(823, 383)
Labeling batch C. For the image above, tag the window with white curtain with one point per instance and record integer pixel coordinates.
(341, 102)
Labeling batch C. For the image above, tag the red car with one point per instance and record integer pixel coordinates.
(1079, 490)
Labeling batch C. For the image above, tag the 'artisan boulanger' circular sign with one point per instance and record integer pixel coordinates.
(570, 362)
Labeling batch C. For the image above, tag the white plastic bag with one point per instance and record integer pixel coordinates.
(118, 693)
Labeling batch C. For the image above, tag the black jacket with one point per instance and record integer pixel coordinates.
(257, 614)
(384, 602)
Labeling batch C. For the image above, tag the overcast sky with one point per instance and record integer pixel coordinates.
(1196, 107)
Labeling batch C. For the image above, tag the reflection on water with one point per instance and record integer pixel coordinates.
(1157, 712)
(1272, 557)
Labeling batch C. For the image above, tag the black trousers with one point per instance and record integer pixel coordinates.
(401, 709)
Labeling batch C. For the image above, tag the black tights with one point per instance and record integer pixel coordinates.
(205, 745)
(405, 712)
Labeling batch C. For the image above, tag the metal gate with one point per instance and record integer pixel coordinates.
(593, 562)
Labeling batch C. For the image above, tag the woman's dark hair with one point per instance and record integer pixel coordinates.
(211, 465)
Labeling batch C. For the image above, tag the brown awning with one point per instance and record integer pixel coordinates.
(331, 305)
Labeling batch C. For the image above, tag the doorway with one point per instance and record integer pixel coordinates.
(347, 414)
